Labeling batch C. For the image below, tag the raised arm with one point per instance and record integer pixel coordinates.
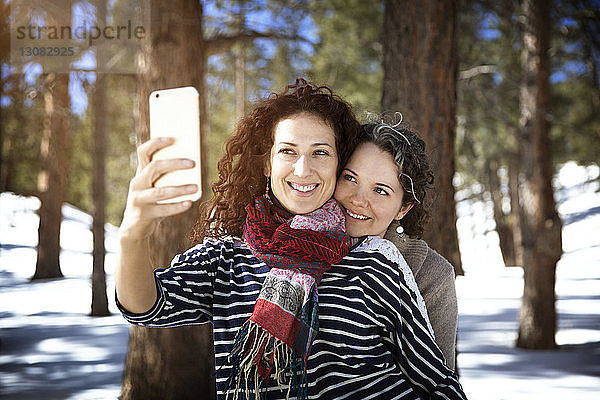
(134, 278)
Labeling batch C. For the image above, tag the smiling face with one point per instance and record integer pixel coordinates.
(303, 163)
(369, 192)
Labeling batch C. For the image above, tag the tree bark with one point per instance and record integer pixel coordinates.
(52, 179)
(99, 297)
(4, 53)
(171, 363)
(420, 72)
(541, 225)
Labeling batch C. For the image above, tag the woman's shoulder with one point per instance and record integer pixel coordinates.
(436, 264)
(398, 266)
(376, 244)
(387, 255)
(421, 258)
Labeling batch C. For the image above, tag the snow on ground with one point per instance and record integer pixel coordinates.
(51, 349)
(489, 301)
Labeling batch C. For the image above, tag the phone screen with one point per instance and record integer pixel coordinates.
(175, 113)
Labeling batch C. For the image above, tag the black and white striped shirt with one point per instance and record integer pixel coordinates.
(373, 340)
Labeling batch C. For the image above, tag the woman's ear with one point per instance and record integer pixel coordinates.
(403, 211)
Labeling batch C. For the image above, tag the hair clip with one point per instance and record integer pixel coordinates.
(412, 187)
(397, 124)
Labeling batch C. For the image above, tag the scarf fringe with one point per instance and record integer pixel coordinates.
(251, 342)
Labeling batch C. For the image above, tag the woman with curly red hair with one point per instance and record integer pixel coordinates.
(295, 310)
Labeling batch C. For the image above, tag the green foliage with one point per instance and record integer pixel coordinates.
(576, 90)
(220, 98)
(576, 122)
(120, 153)
(488, 87)
(79, 175)
(348, 54)
(22, 126)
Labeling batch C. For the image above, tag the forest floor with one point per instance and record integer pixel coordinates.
(51, 349)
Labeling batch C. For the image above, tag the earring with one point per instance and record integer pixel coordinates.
(268, 186)
(400, 230)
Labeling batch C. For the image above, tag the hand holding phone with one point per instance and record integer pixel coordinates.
(175, 113)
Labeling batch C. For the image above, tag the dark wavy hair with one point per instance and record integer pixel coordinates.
(241, 169)
(414, 173)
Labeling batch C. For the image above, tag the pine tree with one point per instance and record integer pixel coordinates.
(99, 297)
(171, 363)
(541, 225)
(420, 68)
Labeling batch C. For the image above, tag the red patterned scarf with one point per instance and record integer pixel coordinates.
(278, 334)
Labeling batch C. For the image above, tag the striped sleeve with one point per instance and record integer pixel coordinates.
(184, 289)
(418, 355)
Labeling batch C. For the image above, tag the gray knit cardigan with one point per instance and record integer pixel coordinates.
(435, 279)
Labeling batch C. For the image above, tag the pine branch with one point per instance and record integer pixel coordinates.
(478, 70)
(221, 43)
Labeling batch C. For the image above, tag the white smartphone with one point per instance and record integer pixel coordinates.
(175, 113)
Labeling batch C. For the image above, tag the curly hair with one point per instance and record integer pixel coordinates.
(241, 169)
(414, 173)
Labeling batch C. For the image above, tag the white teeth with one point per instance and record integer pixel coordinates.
(357, 216)
(302, 188)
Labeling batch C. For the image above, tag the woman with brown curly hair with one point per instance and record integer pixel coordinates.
(390, 199)
(295, 311)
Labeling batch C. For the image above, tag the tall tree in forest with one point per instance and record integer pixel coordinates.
(419, 80)
(99, 297)
(541, 225)
(172, 363)
(52, 179)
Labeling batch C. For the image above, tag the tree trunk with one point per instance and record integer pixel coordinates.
(4, 54)
(420, 68)
(99, 297)
(171, 363)
(502, 227)
(541, 225)
(52, 179)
